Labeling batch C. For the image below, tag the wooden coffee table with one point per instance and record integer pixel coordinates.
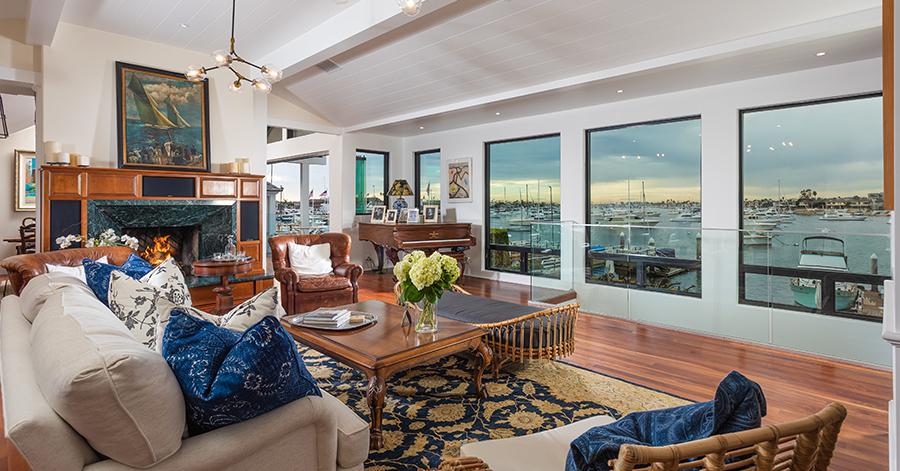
(385, 347)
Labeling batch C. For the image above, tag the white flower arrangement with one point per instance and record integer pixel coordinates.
(106, 238)
(425, 277)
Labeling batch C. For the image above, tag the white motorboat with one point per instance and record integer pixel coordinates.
(841, 215)
(823, 253)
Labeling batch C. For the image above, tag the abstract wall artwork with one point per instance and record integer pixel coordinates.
(459, 185)
(26, 197)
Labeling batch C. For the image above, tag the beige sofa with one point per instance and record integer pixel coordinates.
(78, 393)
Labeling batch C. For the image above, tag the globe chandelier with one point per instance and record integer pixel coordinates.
(225, 58)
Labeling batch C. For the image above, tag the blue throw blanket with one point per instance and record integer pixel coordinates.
(739, 405)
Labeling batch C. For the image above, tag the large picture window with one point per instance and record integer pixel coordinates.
(522, 179)
(371, 180)
(643, 202)
(428, 178)
(815, 233)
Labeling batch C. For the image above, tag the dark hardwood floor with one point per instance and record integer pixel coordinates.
(691, 366)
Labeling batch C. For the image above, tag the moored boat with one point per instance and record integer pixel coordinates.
(823, 253)
(840, 215)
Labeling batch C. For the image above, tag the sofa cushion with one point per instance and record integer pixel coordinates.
(120, 396)
(97, 273)
(168, 278)
(312, 284)
(76, 271)
(142, 307)
(228, 377)
(244, 315)
(310, 259)
(41, 287)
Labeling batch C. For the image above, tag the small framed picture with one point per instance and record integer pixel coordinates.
(378, 215)
(431, 213)
(391, 217)
(413, 216)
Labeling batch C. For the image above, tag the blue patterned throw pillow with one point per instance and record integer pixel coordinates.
(97, 274)
(228, 376)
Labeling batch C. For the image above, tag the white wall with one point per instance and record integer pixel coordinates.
(10, 219)
(718, 310)
(79, 96)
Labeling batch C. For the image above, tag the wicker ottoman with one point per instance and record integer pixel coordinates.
(515, 332)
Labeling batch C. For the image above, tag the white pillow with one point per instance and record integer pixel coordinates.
(310, 259)
(239, 319)
(74, 271)
(140, 306)
(168, 278)
(41, 287)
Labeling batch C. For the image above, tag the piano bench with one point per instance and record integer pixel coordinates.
(515, 332)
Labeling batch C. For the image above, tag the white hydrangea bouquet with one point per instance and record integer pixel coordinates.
(425, 279)
(107, 237)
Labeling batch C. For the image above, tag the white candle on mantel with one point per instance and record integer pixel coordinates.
(62, 157)
(245, 167)
(84, 161)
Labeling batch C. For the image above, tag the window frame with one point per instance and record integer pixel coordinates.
(525, 250)
(587, 195)
(417, 159)
(387, 180)
(780, 271)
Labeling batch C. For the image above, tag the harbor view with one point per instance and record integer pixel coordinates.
(814, 231)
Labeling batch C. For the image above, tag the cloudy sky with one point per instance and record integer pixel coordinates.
(834, 149)
(519, 163)
(430, 178)
(665, 157)
(288, 175)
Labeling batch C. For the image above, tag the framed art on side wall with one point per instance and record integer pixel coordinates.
(459, 187)
(163, 120)
(26, 196)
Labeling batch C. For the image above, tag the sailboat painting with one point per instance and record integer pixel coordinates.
(163, 120)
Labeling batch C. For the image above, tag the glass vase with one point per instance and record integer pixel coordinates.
(426, 321)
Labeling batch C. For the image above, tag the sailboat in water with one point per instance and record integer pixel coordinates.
(146, 106)
(173, 114)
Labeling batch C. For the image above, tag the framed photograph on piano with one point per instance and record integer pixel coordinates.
(412, 217)
(431, 213)
(390, 217)
(378, 214)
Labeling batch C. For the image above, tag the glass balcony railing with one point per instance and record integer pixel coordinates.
(815, 291)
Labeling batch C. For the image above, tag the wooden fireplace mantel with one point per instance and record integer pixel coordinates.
(65, 192)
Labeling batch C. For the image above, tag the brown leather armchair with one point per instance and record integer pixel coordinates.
(303, 293)
(22, 268)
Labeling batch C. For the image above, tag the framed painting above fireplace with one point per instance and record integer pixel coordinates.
(163, 120)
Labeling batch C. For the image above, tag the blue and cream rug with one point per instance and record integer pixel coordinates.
(431, 410)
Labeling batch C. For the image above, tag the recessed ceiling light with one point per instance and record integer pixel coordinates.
(421, 127)
(185, 25)
(820, 54)
(619, 91)
(497, 113)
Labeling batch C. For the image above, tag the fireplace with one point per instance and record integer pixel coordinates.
(196, 229)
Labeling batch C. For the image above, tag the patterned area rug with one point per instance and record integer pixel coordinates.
(431, 410)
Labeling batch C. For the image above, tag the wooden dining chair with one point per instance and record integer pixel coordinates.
(27, 236)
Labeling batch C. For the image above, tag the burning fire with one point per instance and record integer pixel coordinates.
(158, 252)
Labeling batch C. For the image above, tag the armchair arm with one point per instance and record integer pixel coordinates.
(349, 270)
(286, 276)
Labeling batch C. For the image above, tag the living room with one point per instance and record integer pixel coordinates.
(70, 59)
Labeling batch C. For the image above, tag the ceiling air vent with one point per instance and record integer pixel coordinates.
(328, 66)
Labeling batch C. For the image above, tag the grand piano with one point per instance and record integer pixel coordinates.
(388, 239)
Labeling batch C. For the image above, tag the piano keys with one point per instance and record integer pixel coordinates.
(451, 239)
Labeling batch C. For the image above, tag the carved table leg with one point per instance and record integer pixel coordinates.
(375, 398)
(484, 357)
(379, 251)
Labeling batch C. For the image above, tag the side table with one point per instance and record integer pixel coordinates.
(223, 269)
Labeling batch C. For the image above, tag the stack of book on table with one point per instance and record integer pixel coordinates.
(327, 318)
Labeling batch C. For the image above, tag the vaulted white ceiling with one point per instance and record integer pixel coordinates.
(462, 61)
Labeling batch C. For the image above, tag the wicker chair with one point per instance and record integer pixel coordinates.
(802, 445)
(513, 340)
